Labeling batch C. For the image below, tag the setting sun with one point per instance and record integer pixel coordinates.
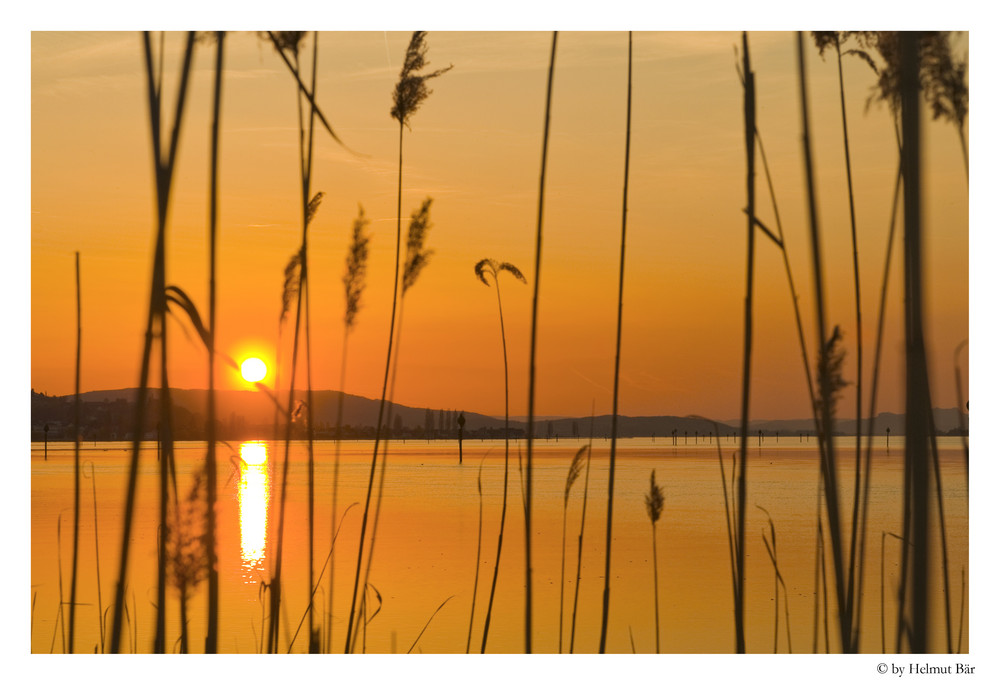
(253, 370)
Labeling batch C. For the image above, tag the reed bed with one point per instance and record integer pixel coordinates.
(186, 542)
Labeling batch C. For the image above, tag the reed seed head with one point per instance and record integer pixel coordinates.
(291, 284)
(357, 266)
(313, 207)
(484, 266)
(416, 255)
(654, 499)
(187, 551)
(574, 472)
(411, 89)
(831, 378)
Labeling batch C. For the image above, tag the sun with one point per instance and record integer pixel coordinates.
(253, 370)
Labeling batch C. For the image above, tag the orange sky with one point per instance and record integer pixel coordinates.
(475, 147)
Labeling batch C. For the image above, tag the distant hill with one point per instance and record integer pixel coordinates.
(109, 415)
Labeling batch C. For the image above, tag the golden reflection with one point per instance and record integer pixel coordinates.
(254, 496)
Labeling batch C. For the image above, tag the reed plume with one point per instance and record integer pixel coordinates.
(494, 269)
(575, 467)
(654, 508)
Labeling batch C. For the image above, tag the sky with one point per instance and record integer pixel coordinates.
(474, 146)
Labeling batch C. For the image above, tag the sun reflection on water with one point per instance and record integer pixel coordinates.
(254, 496)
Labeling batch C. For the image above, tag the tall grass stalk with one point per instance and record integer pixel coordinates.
(479, 549)
(824, 39)
(772, 552)
(354, 285)
(60, 612)
(212, 630)
(880, 328)
(579, 541)
(163, 167)
(424, 629)
(917, 416)
(410, 91)
(417, 257)
(606, 607)
(76, 462)
(826, 381)
(739, 538)
(531, 355)
(97, 558)
(958, 407)
(290, 43)
(654, 508)
(574, 472)
(494, 268)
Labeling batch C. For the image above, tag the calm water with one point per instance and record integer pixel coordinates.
(426, 547)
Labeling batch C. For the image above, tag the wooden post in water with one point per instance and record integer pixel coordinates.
(45, 432)
(461, 428)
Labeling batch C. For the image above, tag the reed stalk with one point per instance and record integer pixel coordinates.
(479, 549)
(824, 39)
(354, 284)
(163, 168)
(654, 508)
(494, 268)
(410, 91)
(76, 462)
(739, 545)
(917, 390)
(579, 541)
(289, 42)
(826, 376)
(534, 340)
(574, 472)
(212, 631)
(416, 259)
(606, 608)
(97, 558)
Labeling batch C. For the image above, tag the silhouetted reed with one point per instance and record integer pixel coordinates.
(772, 552)
(479, 549)
(97, 558)
(574, 472)
(739, 537)
(417, 257)
(483, 267)
(825, 376)
(410, 92)
(654, 508)
(211, 487)
(288, 45)
(354, 285)
(825, 39)
(618, 348)
(915, 562)
(583, 521)
(163, 169)
(76, 462)
(531, 364)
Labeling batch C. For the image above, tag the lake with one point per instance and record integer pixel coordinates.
(426, 548)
